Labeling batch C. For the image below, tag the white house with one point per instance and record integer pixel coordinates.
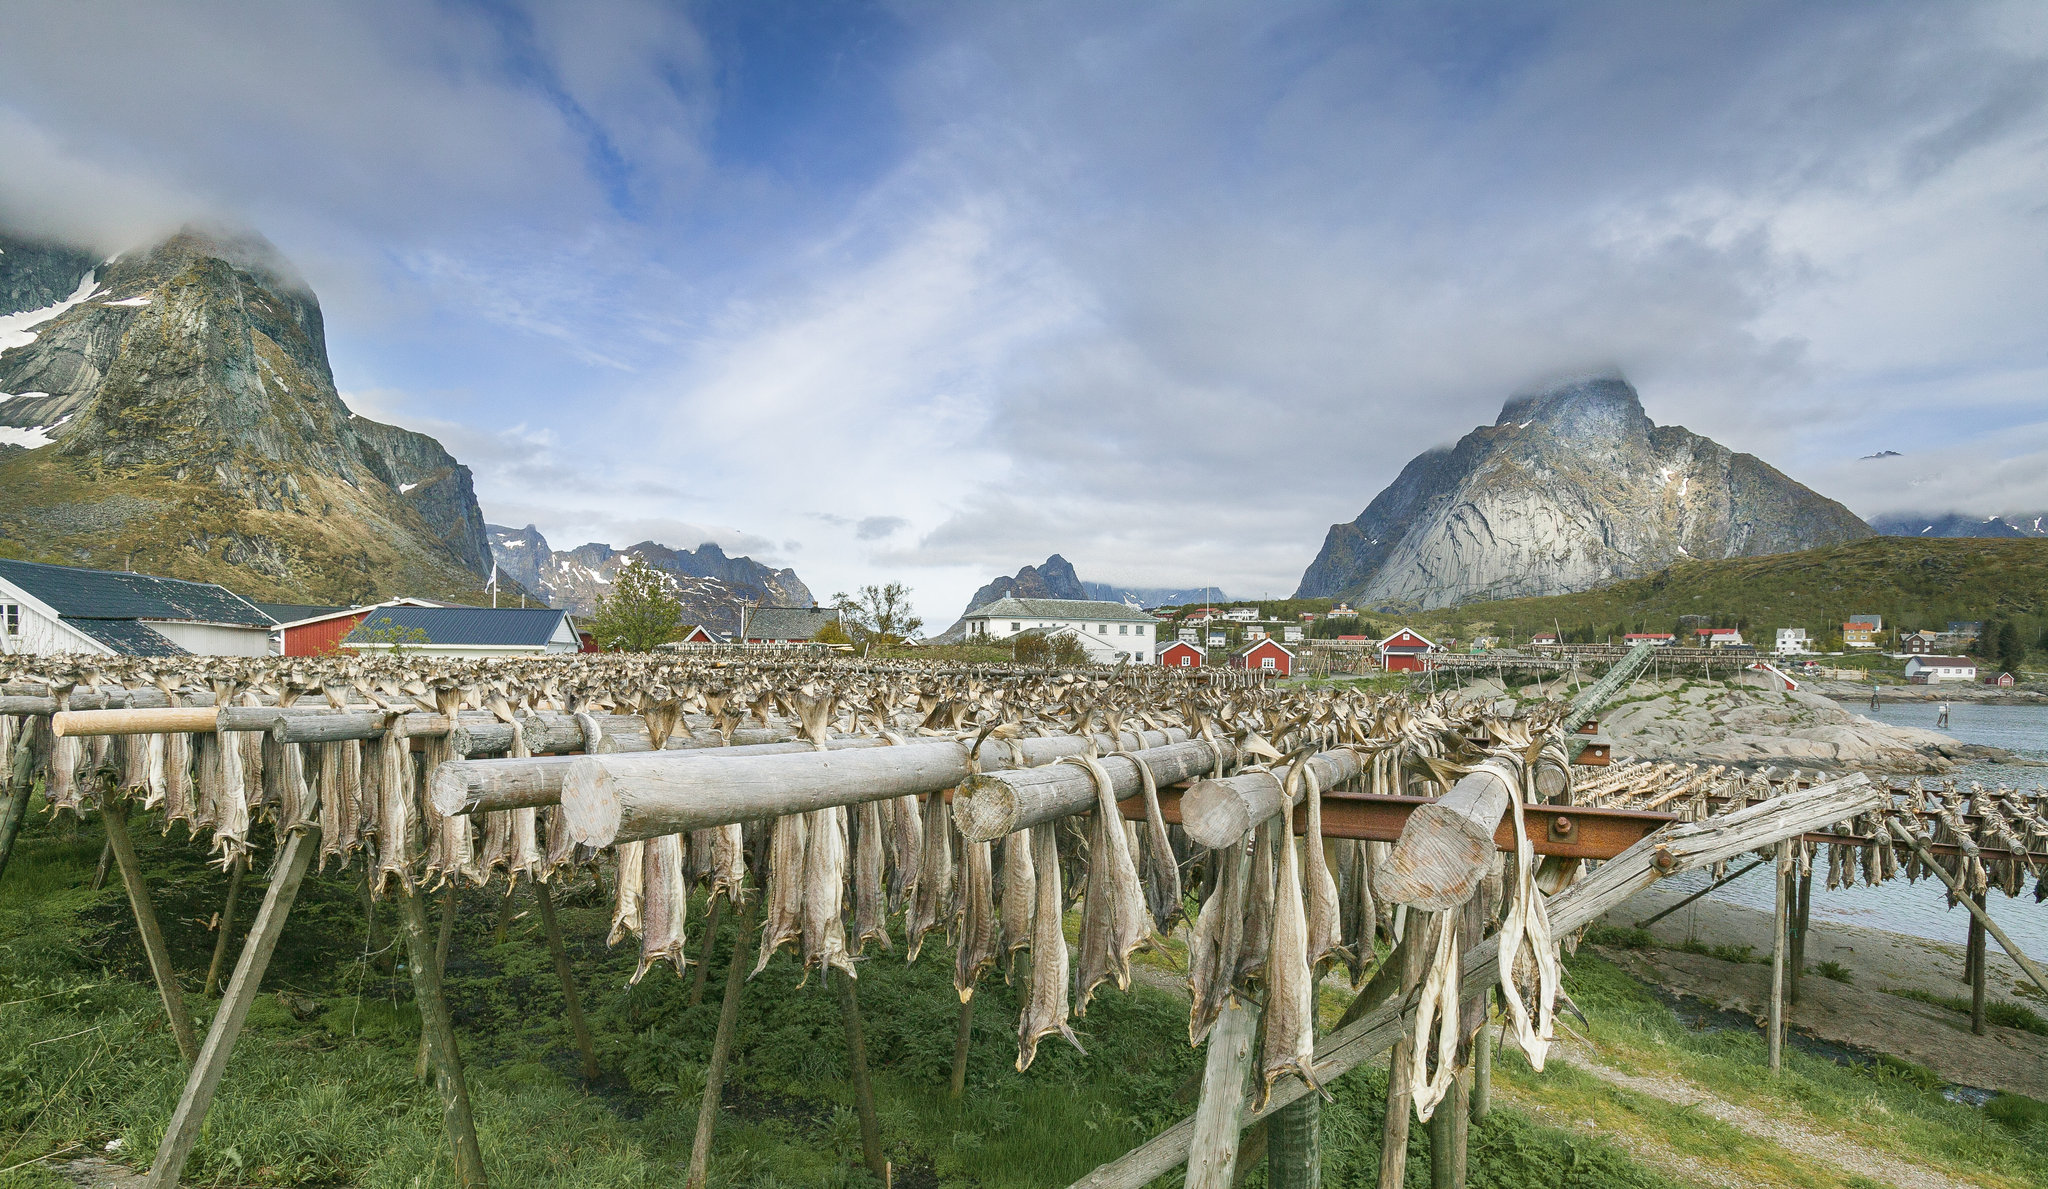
(1255, 632)
(45, 610)
(1934, 670)
(1191, 635)
(1111, 632)
(1291, 633)
(1793, 642)
(1242, 615)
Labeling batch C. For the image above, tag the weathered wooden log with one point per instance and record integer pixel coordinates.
(622, 798)
(1446, 847)
(1671, 850)
(1216, 813)
(123, 845)
(26, 699)
(1775, 1043)
(132, 722)
(992, 805)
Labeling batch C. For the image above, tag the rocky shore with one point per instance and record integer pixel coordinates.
(1893, 691)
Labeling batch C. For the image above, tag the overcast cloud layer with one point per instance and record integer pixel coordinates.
(931, 291)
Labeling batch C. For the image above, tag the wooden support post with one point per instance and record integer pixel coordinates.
(1482, 1068)
(710, 943)
(1778, 918)
(1974, 935)
(225, 927)
(1447, 846)
(13, 807)
(443, 939)
(721, 1049)
(99, 872)
(857, 1070)
(1212, 1153)
(118, 840)
(572, 1003)
(1294, 1149)
(243, 986)
(442, 1053)
(1802, 910)
(1414, 952)
(1978, 977)
(962, 1039)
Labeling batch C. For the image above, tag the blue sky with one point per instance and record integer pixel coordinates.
(929, 291)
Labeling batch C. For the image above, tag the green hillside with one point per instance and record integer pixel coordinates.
(1911, 582)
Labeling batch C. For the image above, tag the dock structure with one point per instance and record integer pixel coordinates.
(1477, 834)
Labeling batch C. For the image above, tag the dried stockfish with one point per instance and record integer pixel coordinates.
(1214, 943)
(906, 843)
(341, 797)
(1437, 1017)
(1114, 921)
(1258, 900)
(1020, 889)
(177, 764)
(824, 929)
(784, 922)
(870, 876)
(1319, 888)
(1162, 873)
(931, 901)
(629, 903)
(976, 938)
(728, 861)
(1045, 1005)
(664, 898)
(392, 759)
(1290, 1016)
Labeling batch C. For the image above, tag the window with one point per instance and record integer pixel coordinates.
(13, 611)
(1123, 629)
(1141, 629)
(1102, 629)
(1265, 662)
(1015, 626)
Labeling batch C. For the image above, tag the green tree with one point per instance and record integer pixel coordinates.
(383, 631)
(639, 613)
(2011, 652)
(879, 615)
(1037, 647)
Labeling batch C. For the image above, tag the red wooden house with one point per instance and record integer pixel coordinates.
(1403, 652)
(322, 634)
(1181, 655)
(1265, 656)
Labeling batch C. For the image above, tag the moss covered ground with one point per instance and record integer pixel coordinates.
(321, 1090)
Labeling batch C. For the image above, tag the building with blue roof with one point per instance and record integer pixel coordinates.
(466, 631)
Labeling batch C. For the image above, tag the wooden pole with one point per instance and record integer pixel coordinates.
(704, 960)
(13, 808)
(1447, 847)
(857, 1070)
(99, 872)
(962, 1039)
(243, 986)
(123, 846)
(1778, 918)
(1413, 950)
(1212, 1153)
(443, 939)
(1294, 1149)
(442, 1053)
(168, 720)
(572, 1003)
(1977, 911)
(226, 927)
(1218, 812)
(721, 1049)
(1979, 976)
(1482, 1069)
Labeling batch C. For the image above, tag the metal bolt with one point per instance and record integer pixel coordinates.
(1564, 824)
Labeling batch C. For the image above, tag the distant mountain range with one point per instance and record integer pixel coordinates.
(1573, 486)
(1906, 524)
(709, 584)
(1054, 578)
(172, 410)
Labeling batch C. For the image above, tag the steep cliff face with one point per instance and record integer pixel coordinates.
(1573, 486)
(175, 412)
(709, 583)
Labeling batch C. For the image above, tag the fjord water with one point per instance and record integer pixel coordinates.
(1921, 909)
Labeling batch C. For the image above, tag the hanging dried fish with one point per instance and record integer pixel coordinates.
(1437, 1019)
(931, 901)
(976, 938)
(1289, 1022)
(784, 922)
(1258, 902)
(177, 762)
(1214, 944)
(395, 815)
(870, 876)
(341, 795)
(728, 862)
(1045, 1005)
(1325, 928)
(665, 899)
(1020, 889)
(906, 843)
(824, 931)
(1161, 872)
(630, 902)
(1113, 916)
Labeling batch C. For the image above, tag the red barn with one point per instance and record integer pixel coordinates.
(1265, 656)
(1181, 655)
(321, 633)
(1403, 652)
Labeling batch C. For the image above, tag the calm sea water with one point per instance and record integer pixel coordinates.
(1921, 909)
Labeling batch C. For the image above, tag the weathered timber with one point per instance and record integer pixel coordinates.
(115, 812)
(1446, 847)
(993, 805)
(721, 1047)
(132, 722)
(224, 925)
(1216, 813)
(1215, 1126)
(183, 1130)
(857, 1069)
(622, 798)
(94, 699)
(1676, 848)
(572, 1002)
(436, 1026)
(1918, 843)
(1776, 1041)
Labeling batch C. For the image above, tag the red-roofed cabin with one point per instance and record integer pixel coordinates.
(1541, 638)
(1266, 656)
(1403, 652)
(1181, 655)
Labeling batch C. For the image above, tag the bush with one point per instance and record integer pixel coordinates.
(1836, 971)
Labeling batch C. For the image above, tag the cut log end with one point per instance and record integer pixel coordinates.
(1438, 862)
(590, 805)
(984, 808)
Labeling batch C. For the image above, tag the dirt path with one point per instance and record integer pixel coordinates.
(1815, 1147)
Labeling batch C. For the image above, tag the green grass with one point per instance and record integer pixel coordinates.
(2005, 1015)
(1834, 971)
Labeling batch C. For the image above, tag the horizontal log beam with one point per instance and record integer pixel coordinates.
(1567, 831)
(622, 798)
(1676, 848)
(989, 805)
(132, 722)
(1220, 812)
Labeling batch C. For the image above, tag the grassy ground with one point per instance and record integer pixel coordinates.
(321, 1091)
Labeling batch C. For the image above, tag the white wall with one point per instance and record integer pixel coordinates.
(1132, 639)
(42, 635)
(215, 639)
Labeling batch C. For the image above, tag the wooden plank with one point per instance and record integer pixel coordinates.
(1213, 1142)
(184, 1128)
(438, 1028)
(115, 812)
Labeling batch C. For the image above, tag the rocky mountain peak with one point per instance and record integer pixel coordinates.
(1592, 407)
(710, 584)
